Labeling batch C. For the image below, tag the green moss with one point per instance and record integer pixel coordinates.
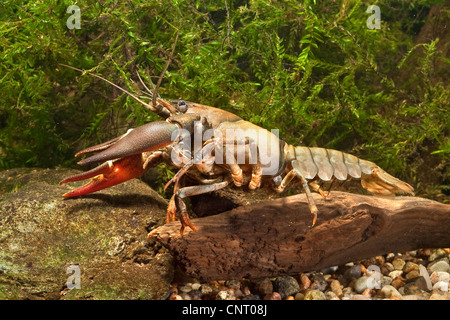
(311, 69)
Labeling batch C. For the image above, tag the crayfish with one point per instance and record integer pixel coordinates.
(218, 148)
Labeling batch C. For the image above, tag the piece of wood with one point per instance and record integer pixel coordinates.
(274, 237)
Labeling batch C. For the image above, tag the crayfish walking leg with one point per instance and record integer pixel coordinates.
(176, 203)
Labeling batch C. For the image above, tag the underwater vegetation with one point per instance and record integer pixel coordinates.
(312, 69)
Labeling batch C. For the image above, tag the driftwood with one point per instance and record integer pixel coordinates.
(274, 237)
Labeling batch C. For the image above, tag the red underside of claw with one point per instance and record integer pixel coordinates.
(107, 175)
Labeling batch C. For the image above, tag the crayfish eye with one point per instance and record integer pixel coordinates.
(182, 106)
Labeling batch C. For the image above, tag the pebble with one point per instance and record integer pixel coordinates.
(421, 283)
(398, 263)
(385, 280)
(424, 273)
(412, 274)
(264, 286)
(439, 276)
(299, 296)
(410, 297)
(390, 256)
(410, 266)
(225, 295)
(440, 265)
(319, 283)
(272, 296)
(359, 297)
(395, 274)
(305, 282)
(437, 254)
(286, 286)
(387, 268)
(315, 295)
(389, 291)
(206, 289)
(336, 288)
(361, 284)
(418, 275)
(439, 296)
(330, 295)
(411, 288)
(186, 288)
(196, 286)
(353, 272)
(441, 285)
(397, 283)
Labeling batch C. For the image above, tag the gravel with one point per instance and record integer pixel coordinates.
(415, 275)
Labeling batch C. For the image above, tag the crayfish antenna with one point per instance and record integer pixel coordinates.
(171, 110)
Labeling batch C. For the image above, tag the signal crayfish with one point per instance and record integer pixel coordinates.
(226, 150)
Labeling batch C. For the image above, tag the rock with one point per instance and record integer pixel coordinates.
(424, 273)
(437, 254)
(98, 240)
(353, 272)
(299, 296)
(411, 297)
(186, 288)
(412, 274)
(195, 295)
(368, 292)
(389, 291)
(305, 282)
(319, 282)
(398, 263)
(330, 295)
(286, 286)
(411, 288)
(272, 296)
(439, 276)
(395, 274)
(225, 295)
(420, 282)
(387, 268)
(361, 284)
(196, 286)
(359, 297)
(251, 297)
(441, 265)
(439, 296)
(336, 288)
(206, 289)
(264, 286)
(390, 256)
(315, 295)
(234, 284)
(410, 266)
(385, 280)
(397, 283)
(441, 285)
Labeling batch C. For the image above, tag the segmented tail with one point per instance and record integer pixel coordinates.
(328, 164)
